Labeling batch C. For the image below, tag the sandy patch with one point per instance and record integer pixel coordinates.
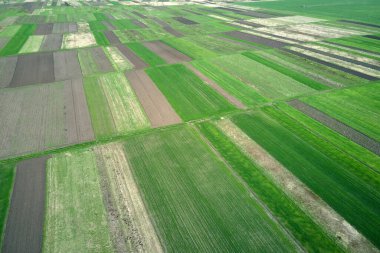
(78, 40)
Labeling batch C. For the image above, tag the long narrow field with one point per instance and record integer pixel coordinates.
(6, 181)
(191, 205)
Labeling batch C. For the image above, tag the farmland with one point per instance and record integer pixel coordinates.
(189, 126)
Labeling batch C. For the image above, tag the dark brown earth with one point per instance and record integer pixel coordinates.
(66, 65)
(256, 39)
(51, 42)
(65, 28)
(78, 121)
(172, 31)
(104, 65)
(157, 108)
(359, 23)
(364, 64)
(169, 54)
(345, 130)
(24, 229)
(7, 71)
(112, 38)
(132, 57)
(139, 23)
(33, 68)
(332, 65)
(185, 21)
(44, 29)
(216, 87)
(278, 36)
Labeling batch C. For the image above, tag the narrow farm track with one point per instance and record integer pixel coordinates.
(24, 228)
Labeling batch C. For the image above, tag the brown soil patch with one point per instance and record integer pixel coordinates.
(132, 57)
(169, 54)
(157, 108)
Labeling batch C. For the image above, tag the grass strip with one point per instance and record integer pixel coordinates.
(7, 174)
(286, 71)
(101, 39)
(15, 44)
(145, 54)
(303, 228)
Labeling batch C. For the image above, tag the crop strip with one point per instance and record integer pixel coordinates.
(338, 126)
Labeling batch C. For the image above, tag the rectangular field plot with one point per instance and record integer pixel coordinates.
(266, 81)
(72, 183)
(93, 61)
(7, 175)
(113, 105)
(78, 40)
(190, 205)
(345, 184)
(357, 107)
(39, 117)
(190, 97)
(169, 54)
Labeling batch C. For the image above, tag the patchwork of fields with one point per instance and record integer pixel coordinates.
(198, 126)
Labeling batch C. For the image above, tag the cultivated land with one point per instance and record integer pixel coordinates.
(197, 126)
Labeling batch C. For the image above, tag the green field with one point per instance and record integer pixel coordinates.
(6, 184)
(190, 97)
(189, 48)
(356, 107)
(145, 54)
(302, 227)
(191, 205)
(268, 82)
(75, 218)
(17, 41)
(327, 171)
(360, 43)
(101, 39)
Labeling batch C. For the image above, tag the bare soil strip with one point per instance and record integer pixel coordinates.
(132, 57)
(129, 217)
(157, 108)
(65, 28)
(109, 25)
(359, 23)
(278, 36)
(341, 57)
(185, 21)
(139, 14)
(372, 37)
(338, 126)
(169, 54)
(160, 21)
(34, 68)
(66, 65)
(139, 23)
(172, 31)
(112, 38)
(332, 65)
(351, 47)
(78, 121)
(216, 87)
(101, 59)
(254, 14)
(44, 29)
(7, 69)
(51, 42)
(336, 225)
(24, 229)
(257, 39)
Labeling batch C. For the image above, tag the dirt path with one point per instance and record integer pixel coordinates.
(345, 130)
(157, 108)
(321, 212)
(135, 230)
(216, 87)
(24, 229)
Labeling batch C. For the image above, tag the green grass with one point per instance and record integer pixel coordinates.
(188, 48)
(9, 31)
(33, 44)
(268, 82)
(360, 43)
(190, 97)
(145, 54)
(366, 10)
(7, 173)
(124, 24)
(286, 71)
(100, 16)
(17, 41)
(327, 171)
(246, 94)
(75, 218)
(218, 45)
(197, 204)
(357, 107)
(303, 228)
(101, 39)
(97, 26)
